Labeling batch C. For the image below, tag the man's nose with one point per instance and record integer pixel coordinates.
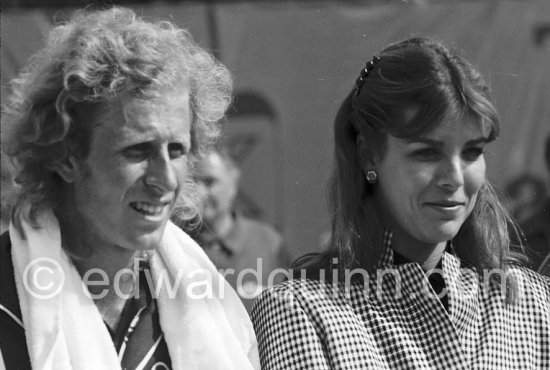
(161, 174)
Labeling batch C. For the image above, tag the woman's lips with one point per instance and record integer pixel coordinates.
(445, 208)
(445, 203)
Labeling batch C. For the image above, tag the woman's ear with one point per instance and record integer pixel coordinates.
(366, 155)
(67, 168)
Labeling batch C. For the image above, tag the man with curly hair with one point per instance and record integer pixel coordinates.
(103, 127)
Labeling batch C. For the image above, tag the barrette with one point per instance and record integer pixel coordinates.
(364, 73)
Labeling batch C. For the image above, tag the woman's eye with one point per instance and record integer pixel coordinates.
(176, 150)
(473, 154)
(426, 153)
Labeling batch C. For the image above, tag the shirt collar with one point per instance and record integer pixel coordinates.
(387, 256)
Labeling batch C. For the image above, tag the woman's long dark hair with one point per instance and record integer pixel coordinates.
(423, 73)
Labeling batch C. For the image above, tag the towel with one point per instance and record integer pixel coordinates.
(203, 320)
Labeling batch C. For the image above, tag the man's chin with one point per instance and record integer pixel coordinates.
(148, 241)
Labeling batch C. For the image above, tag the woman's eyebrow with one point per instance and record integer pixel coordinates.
(425, 140)
(434, 142)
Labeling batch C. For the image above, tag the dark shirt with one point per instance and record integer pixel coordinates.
(138, 338)
(436, 280)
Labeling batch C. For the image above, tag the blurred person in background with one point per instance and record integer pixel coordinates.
(420, 273)
(235, 243)
(537, 228)
(104, 126)
(523, 195)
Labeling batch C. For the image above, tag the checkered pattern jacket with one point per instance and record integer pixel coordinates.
(400, 324)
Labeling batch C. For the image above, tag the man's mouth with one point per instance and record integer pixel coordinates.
(147, 209)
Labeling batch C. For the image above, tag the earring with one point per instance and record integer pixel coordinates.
(371, 176)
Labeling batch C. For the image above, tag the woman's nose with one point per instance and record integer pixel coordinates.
(451, 176)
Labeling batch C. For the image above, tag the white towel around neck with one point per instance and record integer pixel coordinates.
(66, 331)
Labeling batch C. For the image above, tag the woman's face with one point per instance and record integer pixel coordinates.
(427, 187)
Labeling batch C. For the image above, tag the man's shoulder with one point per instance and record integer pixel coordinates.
(12, 335)
(5, 242)
(8, 292)
(7, 279)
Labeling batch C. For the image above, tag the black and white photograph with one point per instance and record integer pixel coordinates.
(275, 184)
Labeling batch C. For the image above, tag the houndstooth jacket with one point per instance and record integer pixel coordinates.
(395, 321)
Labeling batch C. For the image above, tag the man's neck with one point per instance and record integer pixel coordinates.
(107, 270)
(110, 281)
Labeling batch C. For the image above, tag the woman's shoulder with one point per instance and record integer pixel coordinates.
(532, 284)
(293, 289)
(314, 298)
(289, 331)
(531, 277)
(307, 305)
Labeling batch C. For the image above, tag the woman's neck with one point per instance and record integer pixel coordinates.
(427, 255)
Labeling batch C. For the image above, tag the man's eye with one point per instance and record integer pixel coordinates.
(176, 150)
(473, 154)
(137, 152)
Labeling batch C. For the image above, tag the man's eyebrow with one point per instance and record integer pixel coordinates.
(481, 140)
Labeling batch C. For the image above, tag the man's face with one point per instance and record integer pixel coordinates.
(127, 186)
(219, 184)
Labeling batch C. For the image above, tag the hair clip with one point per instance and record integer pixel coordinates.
(364, 73)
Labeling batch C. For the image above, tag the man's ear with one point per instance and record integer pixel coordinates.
(367, 157)
(68, 168)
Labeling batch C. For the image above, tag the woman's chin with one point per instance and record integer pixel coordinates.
(443, 233)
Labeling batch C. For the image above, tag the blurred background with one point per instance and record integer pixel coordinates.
(293, 62)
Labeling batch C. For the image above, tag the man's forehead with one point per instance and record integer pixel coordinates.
(131, 114)
(164, 101)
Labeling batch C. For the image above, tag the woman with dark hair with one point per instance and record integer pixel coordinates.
(420, 272)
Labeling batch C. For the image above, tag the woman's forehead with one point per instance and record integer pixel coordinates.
(461, 129)
(417, 123)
